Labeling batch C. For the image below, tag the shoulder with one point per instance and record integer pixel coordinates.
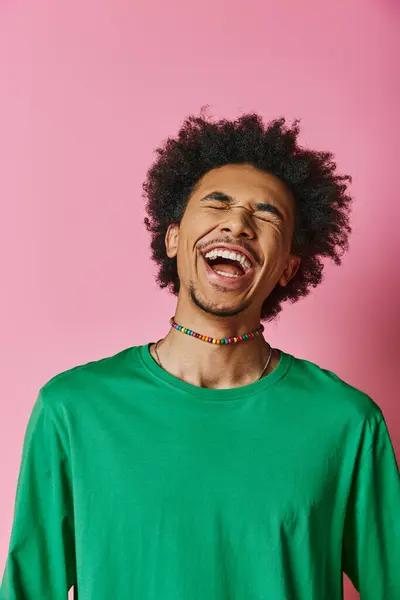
(88, 379)
(336, 393)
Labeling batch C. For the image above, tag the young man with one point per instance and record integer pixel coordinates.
(210, 466)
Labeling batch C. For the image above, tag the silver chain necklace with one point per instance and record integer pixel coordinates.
(258, 379)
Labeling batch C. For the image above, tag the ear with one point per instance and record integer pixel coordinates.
(171, 240)
(291, 270)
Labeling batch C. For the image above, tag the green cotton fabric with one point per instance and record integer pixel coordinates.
(137, 485)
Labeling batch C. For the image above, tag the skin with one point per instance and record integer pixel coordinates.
(216, 310)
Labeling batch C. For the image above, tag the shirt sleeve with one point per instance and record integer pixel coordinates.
(41, 558)
(371, 540)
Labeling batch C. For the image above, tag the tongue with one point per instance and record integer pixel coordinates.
(227, 267)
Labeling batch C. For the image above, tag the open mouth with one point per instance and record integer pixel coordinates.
(233, 265)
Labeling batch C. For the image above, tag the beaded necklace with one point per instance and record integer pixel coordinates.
(211, 340)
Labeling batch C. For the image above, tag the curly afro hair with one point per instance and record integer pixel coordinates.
(322, 205)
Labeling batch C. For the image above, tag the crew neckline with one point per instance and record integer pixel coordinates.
(243, 391)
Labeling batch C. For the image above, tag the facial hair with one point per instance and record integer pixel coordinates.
(210, 309)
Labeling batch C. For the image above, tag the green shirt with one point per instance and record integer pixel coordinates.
(137, 485)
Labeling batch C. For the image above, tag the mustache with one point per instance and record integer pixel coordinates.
(245, 245)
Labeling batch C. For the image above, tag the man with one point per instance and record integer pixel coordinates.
(210, 466)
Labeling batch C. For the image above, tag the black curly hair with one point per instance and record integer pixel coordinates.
(322, 206)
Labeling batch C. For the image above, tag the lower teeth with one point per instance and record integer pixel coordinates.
(226, 274)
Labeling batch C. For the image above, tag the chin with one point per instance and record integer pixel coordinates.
(215, 308)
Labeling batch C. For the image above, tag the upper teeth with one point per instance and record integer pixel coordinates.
(243, 260)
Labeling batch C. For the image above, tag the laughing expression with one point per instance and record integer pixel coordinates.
(233, 243)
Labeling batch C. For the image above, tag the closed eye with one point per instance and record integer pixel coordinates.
(223, 201)
(266, 217)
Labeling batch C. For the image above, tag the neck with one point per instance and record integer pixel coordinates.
(215, 366)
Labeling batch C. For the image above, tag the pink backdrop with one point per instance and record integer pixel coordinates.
(89, 88)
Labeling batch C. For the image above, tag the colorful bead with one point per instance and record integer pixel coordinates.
(205, 338)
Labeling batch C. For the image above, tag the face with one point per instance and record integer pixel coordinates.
(233, 243)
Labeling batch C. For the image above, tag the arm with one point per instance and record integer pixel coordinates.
(41, 557)
(371, 542)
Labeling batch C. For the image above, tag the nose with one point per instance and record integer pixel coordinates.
(238, 224)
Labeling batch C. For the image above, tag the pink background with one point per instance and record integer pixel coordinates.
(89, 88)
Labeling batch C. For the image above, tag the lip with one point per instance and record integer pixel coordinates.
(232, 283)
(232, 248)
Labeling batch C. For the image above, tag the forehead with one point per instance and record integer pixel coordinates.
(245, 182)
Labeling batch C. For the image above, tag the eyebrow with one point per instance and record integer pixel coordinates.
(263, 206)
